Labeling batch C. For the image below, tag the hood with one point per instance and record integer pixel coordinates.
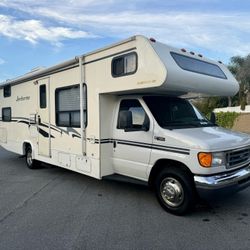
(210, 138)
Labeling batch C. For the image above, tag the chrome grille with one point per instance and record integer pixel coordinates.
(238, 157)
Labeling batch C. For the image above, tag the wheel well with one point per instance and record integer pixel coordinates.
(26, 145)
(162, 163)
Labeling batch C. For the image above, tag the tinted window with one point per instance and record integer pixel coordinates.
(198, 66)
(175, 113)
(124, 65)
(43, 98)
(6, 114)
(68, 107)
(7, 91)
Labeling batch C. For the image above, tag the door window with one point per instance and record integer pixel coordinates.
(43, 98)
(139, 119)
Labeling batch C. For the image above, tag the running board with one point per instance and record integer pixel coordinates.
(122, 178)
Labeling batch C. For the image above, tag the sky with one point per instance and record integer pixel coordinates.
(36, 33)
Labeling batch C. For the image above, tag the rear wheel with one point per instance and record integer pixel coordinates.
(31, 163)
(175, 190)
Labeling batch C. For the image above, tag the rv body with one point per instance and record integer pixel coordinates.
(106, 113)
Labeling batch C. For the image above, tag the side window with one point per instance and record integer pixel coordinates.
(43, 98)
(68, 106)
(124, 65)
(6, 114)
(7, 91)
(138, 118)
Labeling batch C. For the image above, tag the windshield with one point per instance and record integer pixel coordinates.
(175, 113)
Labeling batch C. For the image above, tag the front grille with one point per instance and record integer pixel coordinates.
(238, 157)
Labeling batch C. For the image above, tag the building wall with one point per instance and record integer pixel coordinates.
(242, 123)
(233, 109)
(248, 98)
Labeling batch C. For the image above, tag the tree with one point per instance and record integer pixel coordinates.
(240, 68)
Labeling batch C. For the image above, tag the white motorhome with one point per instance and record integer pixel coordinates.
(120, 111)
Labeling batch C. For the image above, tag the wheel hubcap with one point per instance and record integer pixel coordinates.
(172, 192)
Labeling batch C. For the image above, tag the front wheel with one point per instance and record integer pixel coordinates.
(175, 190)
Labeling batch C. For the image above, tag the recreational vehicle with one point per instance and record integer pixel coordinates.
(122, 112)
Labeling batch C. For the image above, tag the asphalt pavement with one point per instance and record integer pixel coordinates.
(53, 208)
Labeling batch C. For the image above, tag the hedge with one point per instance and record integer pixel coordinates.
(226, 119)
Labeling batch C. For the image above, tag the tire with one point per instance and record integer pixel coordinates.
(31, 163)
(175, 190)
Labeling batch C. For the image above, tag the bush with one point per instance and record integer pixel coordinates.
(226, 119)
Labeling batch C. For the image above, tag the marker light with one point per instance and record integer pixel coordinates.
(216, 159)
(205, 159)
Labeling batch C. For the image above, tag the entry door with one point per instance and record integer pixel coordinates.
(132, 147)
(43, 118)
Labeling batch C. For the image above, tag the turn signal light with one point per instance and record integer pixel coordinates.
(205, 159)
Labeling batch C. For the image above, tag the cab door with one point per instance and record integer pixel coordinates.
(132, 145)
(43, 118)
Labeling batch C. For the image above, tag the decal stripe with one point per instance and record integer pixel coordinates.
(152, 146)
(29, 122)
(144, 145)
(44, 133)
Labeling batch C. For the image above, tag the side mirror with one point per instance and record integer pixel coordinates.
(125, 119)
(213, 118)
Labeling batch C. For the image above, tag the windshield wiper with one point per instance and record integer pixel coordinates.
(187, 124)
(181, 124)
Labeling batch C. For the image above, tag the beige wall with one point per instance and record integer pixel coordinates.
(242, 123)
(248, 98)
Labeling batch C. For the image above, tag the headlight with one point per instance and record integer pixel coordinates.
(208, 160)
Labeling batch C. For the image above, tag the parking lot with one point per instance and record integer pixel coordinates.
(52, 208)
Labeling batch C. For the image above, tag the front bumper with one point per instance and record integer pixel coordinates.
(222, 184)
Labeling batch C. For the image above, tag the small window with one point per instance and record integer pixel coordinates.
(198, 66)
(68, 107)
(7, 91)
(140, 119)
(124, 65)
(43, 98)
(6, 114)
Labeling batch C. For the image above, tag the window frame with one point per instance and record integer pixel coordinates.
(71, 111)
(172, 53)
(123, 56)
(42, 106)
(5, 95)
(6, 108)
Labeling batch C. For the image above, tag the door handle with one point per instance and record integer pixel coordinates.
(159, 138)
(114, 144)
